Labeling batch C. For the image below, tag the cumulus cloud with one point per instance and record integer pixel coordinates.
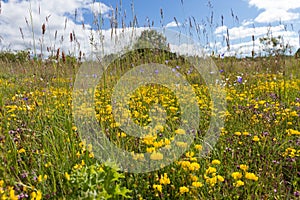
(241, 38)
(241, 32)
(172, 24)
(21, 24)
(276, 10)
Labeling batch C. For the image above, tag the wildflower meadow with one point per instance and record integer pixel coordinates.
(44, 156)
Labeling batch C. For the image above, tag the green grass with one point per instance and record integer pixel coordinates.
(39, 142)
(42, 155)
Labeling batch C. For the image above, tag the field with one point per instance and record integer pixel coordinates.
(257, 155)
(155, 124)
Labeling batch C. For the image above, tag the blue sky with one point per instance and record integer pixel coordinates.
(242, 19)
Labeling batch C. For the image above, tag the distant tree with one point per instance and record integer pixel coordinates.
(297, 54)
(274, 46)
(151, 39)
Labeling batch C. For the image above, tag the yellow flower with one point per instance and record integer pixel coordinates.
(90, 147)
(159, 128)
(210, 170)
(180, 131)
(238, 183)
(33, 195)
(74, 128)
(246, 133)
(1, 183)
(82, 163)
(220, 178)
(157, 187)
(255, 138)
(183, 190)
(48, 164)
(67, 176)
(181, 144)
(12, 194)
(194, 166)
(156, 156)
(194, 178)
(122, 135)
(244, 167)
(189, 154)
(36, 195)
(150, 149)
(40, 178)
(251, 176)
(212, 181)
(21, 151)
(91, 155)
(164, 180)
(198, 147)
(237, 133)
(197, 184)
(236, 175)
(215, 162)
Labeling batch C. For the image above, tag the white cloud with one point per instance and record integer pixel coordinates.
(277, 4)
(221, 30)
(245, 48)
(275, 14)
(172, 24)
(276, 10)
(16, 13)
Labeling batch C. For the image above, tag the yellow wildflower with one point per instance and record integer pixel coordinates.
(180, 131)
(164, 180)
(181, 144)
(215, 162)
(197, 184)
(237, 133)
(255, 138)
(12, 194)
(198, 147)
(220, 178)
(156, 156)
(157, 187)
(67, 176)
(210, 170)
(251, 176)
(244, 167)
(21, 151)
(194, 166)
(183, 190)
(238, 183)
(236, 175)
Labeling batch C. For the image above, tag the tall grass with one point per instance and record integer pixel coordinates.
(256, 157)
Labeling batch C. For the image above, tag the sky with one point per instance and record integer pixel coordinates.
(208, 22)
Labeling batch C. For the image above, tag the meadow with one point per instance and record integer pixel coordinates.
(257, 154)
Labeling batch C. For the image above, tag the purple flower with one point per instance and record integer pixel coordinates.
(166, 61)
(239, 79)
(25, 98)
(177, 67)
(221, 70)
(265, 133)
(297, 194)
(156, 71)
(24, 174)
